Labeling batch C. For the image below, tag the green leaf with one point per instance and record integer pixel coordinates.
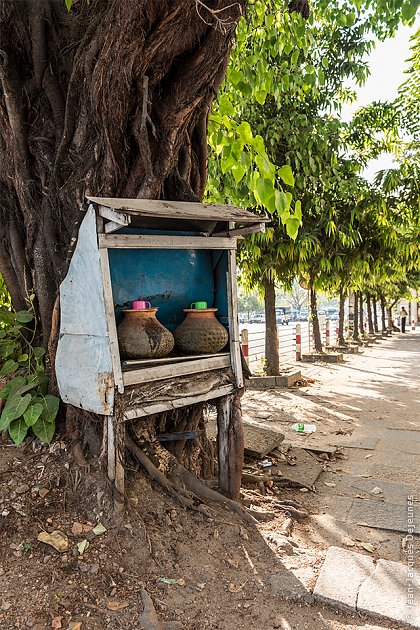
(24, 317)
(245, 132)
(409, 9)
(68, 4)
(292, 227)
(238, 172)
(225, 106)
(286, 174)
(51, 405)
(298, 210)
(9, 367)
(38, 352)
(32, 414)
(264, 193)
(44, 430)
(23, 358)
(14, 408)
(260, 96)
(282, 201)
(14, 384)
(227, 163)
(18, 431)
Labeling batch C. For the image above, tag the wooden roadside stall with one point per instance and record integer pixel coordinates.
(170, 254)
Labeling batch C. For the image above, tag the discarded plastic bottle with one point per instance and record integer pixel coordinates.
(304, 428)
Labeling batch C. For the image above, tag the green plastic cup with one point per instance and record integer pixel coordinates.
(199, 305)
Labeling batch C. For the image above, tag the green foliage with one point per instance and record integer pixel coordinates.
(27, 404)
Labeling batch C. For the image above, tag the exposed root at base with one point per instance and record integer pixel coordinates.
(186, 487)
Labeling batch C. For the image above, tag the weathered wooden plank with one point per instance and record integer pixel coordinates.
(146, 375)
(176, 403)
(110, 319)
(179, 209)
(230, 445)
(111, 448)
(234, 339)
(130, 363)
(139, 241)
(111, 226)
(117, 217)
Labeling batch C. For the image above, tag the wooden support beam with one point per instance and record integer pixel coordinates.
(116, 458)
(117, 217)
(230, 444)
(139, 241)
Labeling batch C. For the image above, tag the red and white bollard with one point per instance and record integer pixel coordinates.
(298, 343)
(245, 345)
(327, 332)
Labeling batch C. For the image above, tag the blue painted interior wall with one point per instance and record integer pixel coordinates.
(170, 280)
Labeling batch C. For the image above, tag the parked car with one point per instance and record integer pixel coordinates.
(303, 316)
(259, 318)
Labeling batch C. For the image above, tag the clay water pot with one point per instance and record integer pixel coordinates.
(200, 332)
(142, 336)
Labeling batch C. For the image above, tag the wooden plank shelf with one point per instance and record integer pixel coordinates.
(135, 363)
(182, 368)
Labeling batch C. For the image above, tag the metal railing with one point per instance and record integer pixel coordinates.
(253, 341)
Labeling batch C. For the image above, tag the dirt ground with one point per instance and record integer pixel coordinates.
(217, 572)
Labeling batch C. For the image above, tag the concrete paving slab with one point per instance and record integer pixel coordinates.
(305, 471)
(396, 493)
(365, 442)
(259, 441)
(341, 576)
(385, 589)
(392, 592)
(382, 516)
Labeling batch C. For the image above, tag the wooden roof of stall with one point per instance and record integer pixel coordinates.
(179, 210)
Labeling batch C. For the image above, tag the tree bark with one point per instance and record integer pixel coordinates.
(361, 316)
(315, 320)
(271, 332)
(375, 313)
(341, 339)
(110, 99)
(370, 318)
(356, 317)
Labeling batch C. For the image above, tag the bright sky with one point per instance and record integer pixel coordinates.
(387, 64)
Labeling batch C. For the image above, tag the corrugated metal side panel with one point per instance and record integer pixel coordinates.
(83, 362)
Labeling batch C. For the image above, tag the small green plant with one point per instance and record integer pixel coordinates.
(27, 404)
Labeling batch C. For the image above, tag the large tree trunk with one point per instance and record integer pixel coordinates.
(356, 317)
(341, 340)
(375, 313)
(370, 319)
(271, 333)
(383, 307)
(109, 99)
(361, 316)
(315, 320)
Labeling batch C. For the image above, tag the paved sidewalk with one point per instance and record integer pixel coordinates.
(369, 406)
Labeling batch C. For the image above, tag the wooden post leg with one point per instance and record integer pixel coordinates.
(230, 444)
(116, 453)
